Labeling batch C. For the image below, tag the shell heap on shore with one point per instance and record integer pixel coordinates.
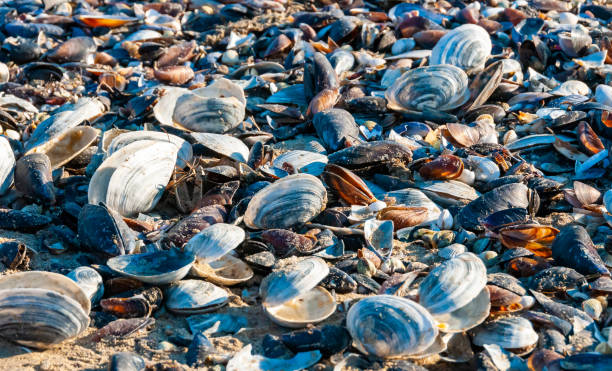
(322, 185)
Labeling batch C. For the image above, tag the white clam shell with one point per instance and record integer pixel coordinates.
(442, 87)
(289, 201)
(89, 280)
(414, 198)
(67, 145)
(226, 270)
(185, 152)
(7, 165)
(390, 326)
(215, 241)
(194, 297)
(224, 145)
(484, 168)
(245, 361)
(603, 94)
(508, 333)
(155, 268)
(302, 161)
(467, 47)
(133, 179)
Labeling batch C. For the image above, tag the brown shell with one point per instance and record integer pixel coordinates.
(176, 75)
(515, 16)
(105, 59)
(490, 25)
(535, 238)
(588, 140)
(444, 167)
(525, 267)
(279, 45)
(113, 81)
(286, 242)
(428, 38)
(347, 185)
(501, 297)
(326, 99)
(461, 135)
(403, 216)
(177, 54)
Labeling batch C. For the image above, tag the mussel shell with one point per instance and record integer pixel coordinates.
(336, 128)
(33, 177)
(74, 49)
(225, 145)
(574, 248)
(467, 47)
(156, 268)
(289, 201)
(389, 326)
(102, 229)
(194, 297)
(371, 155)
(509, 333)
(441, 87)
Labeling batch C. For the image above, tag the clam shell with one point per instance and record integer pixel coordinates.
(484, 168)
(308, 308)
(133, 179)
(443, 87)
(185, 152)
(215, 241)
(155, 268)
(302, 161)
(414, 198)
(454, 292)
(508, 333)
(69, 117)
(467, 47)
(67, 145)
(448, 192)
(7, 165)
(207, 114)
(389, 326)
(245, 361)
(226, 270)
(90, 281)
(225, 145)
(194, 297)
(289, 201)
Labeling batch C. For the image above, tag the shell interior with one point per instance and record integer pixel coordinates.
(158, 267)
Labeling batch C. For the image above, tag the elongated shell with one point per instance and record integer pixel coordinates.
(453, 287)
(225, 145)
(414, 198)
(185, 152)
(289, 201)
(467, 47)
(215, 241)
(67, 145)
(195, 296)
(7, 165)
(508, 333)
(389, 326)
(442, 87)
(133, 179)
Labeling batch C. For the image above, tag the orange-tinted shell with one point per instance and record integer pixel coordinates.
(515, 16)
(588, 139)
(444, 167)
(177, 75)
(177, 54)
(501, 297)
(461, 135)
(105, 20)
(280, 44)
(347, 185)
(525, 267)
(541, 358)
(535, 238)
(105, 59)
(490, 25)
(403, 216)
(428, 38)
(326, 99)
(112, 80)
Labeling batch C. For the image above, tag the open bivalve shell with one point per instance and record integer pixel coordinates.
(216, 108)
(211, 248)
(289, 201)
(155, 268)
(455, 293)
(40, 309)
(467, 47)
(291, 298)
(512, 333)
(133, 179)
(185, 151)
(225, 145)
(67, 145)
(7, 165)
(389, 326)
(195, 297)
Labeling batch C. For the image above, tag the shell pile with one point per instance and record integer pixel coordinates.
(284, 185)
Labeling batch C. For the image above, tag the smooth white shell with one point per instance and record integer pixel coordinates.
(467, 47)
(225, 145)
(185, 152)
(7, 165)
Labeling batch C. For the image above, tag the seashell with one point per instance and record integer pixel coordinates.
(574, 248)
(336, 128)
(535, 238)
(455, 294)
(175, 75)
(41, 309)
(588, 139)
(347, 185)
(102, 229)
(575, 42)
(572, 87)
(325, 100)
(461, 135)
(198, 220)
(67, 145)
(404, 216)
(67, 117)
(557, 280)
(512, 333)
(75, 49)
(379, 234)
(291, 298)
(105, 20)
(133, 179)
(185, 151)
(269, 208)
(90, 281)
(7, 165)
(302, 162)
(226, 270)
(33, 177)
(215, 241)
(22, 220)
(443, 167)
(155, 268)
(370, 156)
(195, 297)
(441, 87)
(225, 145)
(413, 198)
(243, 360)
(467, 47)
(388, 326)
(452, 251)
(126, 361)
(449, 192)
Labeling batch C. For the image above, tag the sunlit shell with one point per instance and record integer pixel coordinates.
(291, 200)
(390, 326)
(67, 145)
(215, 241)
(7, 165)
(536, 238)
(185, 152)
(302, 161)
(155, 268)
(194, 297)
(514, 333)
(413, 198)
(225, 145)
(442, 87)
(347, 185)
(467, 47)
(226, 270)
(104, 20)
(404, 216)
(442, 167)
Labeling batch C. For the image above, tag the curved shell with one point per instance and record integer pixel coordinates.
(215, 241)
(89, 280)
(484, 168)
(195, 296)
(7, 165)
(467, 47)
(103, 230)
(225, 145)
(284, 285)
(226, 270)
(67, 145)
(508, 333)
(185, 152)
(203, 114)
(389, 326)
(442, 87)
(453, 285)
(302, 161)
(133, 179)
(289, 201)
(308, 308)
(414, 198)
(155, 268)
